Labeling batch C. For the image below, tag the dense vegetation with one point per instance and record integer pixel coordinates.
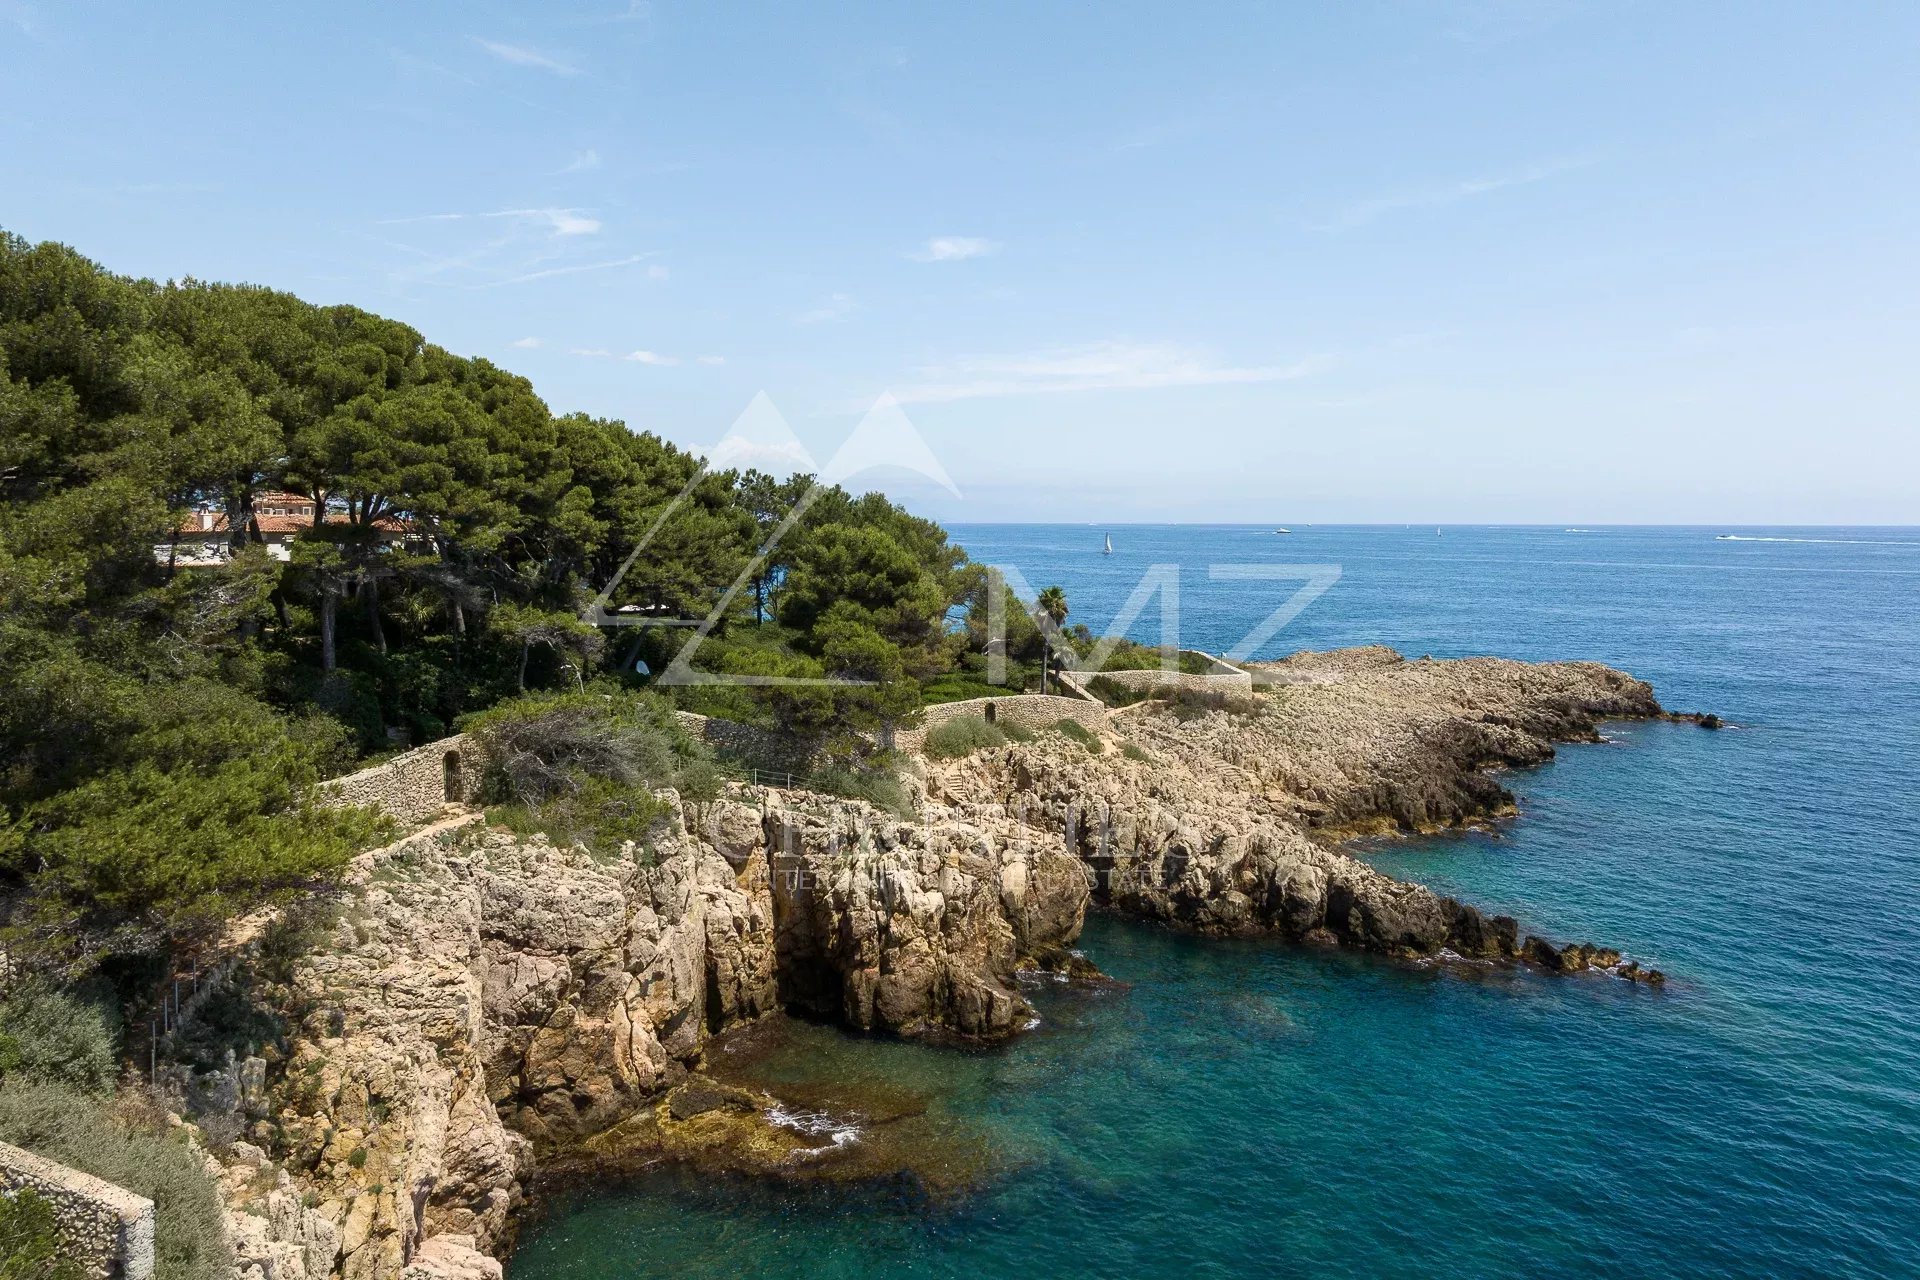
(163, 722)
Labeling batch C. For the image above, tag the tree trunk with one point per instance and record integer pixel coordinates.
(328, 603)
(371, 593)
(526, 648)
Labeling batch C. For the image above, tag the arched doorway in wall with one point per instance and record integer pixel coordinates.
(450, 773)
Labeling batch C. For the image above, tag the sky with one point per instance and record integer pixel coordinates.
(1496, 261)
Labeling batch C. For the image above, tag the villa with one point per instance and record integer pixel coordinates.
(203, 538)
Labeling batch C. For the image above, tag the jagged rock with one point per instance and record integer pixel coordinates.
(487, 1000)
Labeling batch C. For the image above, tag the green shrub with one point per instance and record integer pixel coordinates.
(1132, 751)
(583, 768)
(1080, 734)
(49, 1035)
(1189, 704)
(962, 736)
(134, 1152)
(30, 1245)
(877, 784)
(598, 813)
(1115, 694)
(1129, 656)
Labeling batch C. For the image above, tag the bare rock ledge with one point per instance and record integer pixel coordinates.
(485, 1005)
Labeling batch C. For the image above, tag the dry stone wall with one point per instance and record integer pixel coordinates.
(106, 1229)
(413, 788)
(1224, 677)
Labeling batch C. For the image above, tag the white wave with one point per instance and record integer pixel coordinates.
(815, 1124)
(1831, 542)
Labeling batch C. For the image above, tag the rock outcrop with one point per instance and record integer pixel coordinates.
(485, 1000)
(485, 1003)
(1223, 820)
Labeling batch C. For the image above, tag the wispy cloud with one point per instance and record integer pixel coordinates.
(562, 222)
(521, 56)
(714, 360)
(574, 270)
(565, 222)
(652, 357)
(597, 353)
(1102, 366)
(954, 249)
(528, 344)
(836, 306)
(1364, 211)
(582, 161)
(657, 272)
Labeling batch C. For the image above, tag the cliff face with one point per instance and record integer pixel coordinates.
(486, 1001)
(1220, 820)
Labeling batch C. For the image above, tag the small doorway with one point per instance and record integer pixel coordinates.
(450, 771)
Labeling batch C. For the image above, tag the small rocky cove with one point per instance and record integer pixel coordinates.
(477, 1015)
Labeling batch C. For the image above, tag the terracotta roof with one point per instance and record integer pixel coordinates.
(215, 522)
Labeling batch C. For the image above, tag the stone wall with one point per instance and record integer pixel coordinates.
(413, 788)
(748, 744)
(1027, 710)
(107, 1230)
(1223, 677)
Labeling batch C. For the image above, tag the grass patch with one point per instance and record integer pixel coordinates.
(1132, 751)
(962, 736)
(1080, 734)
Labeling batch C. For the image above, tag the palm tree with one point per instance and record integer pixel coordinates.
(1053, 603)
(1049, 606)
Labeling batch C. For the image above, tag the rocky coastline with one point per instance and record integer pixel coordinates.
(477, 1009)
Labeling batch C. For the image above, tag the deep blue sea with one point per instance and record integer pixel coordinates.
(1250, 1109)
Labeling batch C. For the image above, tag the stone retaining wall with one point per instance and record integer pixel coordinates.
(107, 1230)
(1027, 710)
(748, 743)
(412, 788)
(1224, 677)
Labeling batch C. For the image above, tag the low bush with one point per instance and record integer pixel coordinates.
(1132, 751)
(1115, 694)
(584, 768)
(599, 814)
(877, 783)
(30, 1244)
(50, 1035)
(962, 736)
(1129, 656)
(133, 1151)
(1189, 704)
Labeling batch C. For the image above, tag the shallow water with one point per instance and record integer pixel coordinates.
(1254, 1109)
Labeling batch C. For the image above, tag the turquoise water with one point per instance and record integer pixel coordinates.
(1248, 1109)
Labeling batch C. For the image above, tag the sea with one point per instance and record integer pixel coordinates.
(1250, 1108)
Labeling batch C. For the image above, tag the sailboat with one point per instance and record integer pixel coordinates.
(1109, 550)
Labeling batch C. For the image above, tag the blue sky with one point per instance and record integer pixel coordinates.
(1513, 260)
